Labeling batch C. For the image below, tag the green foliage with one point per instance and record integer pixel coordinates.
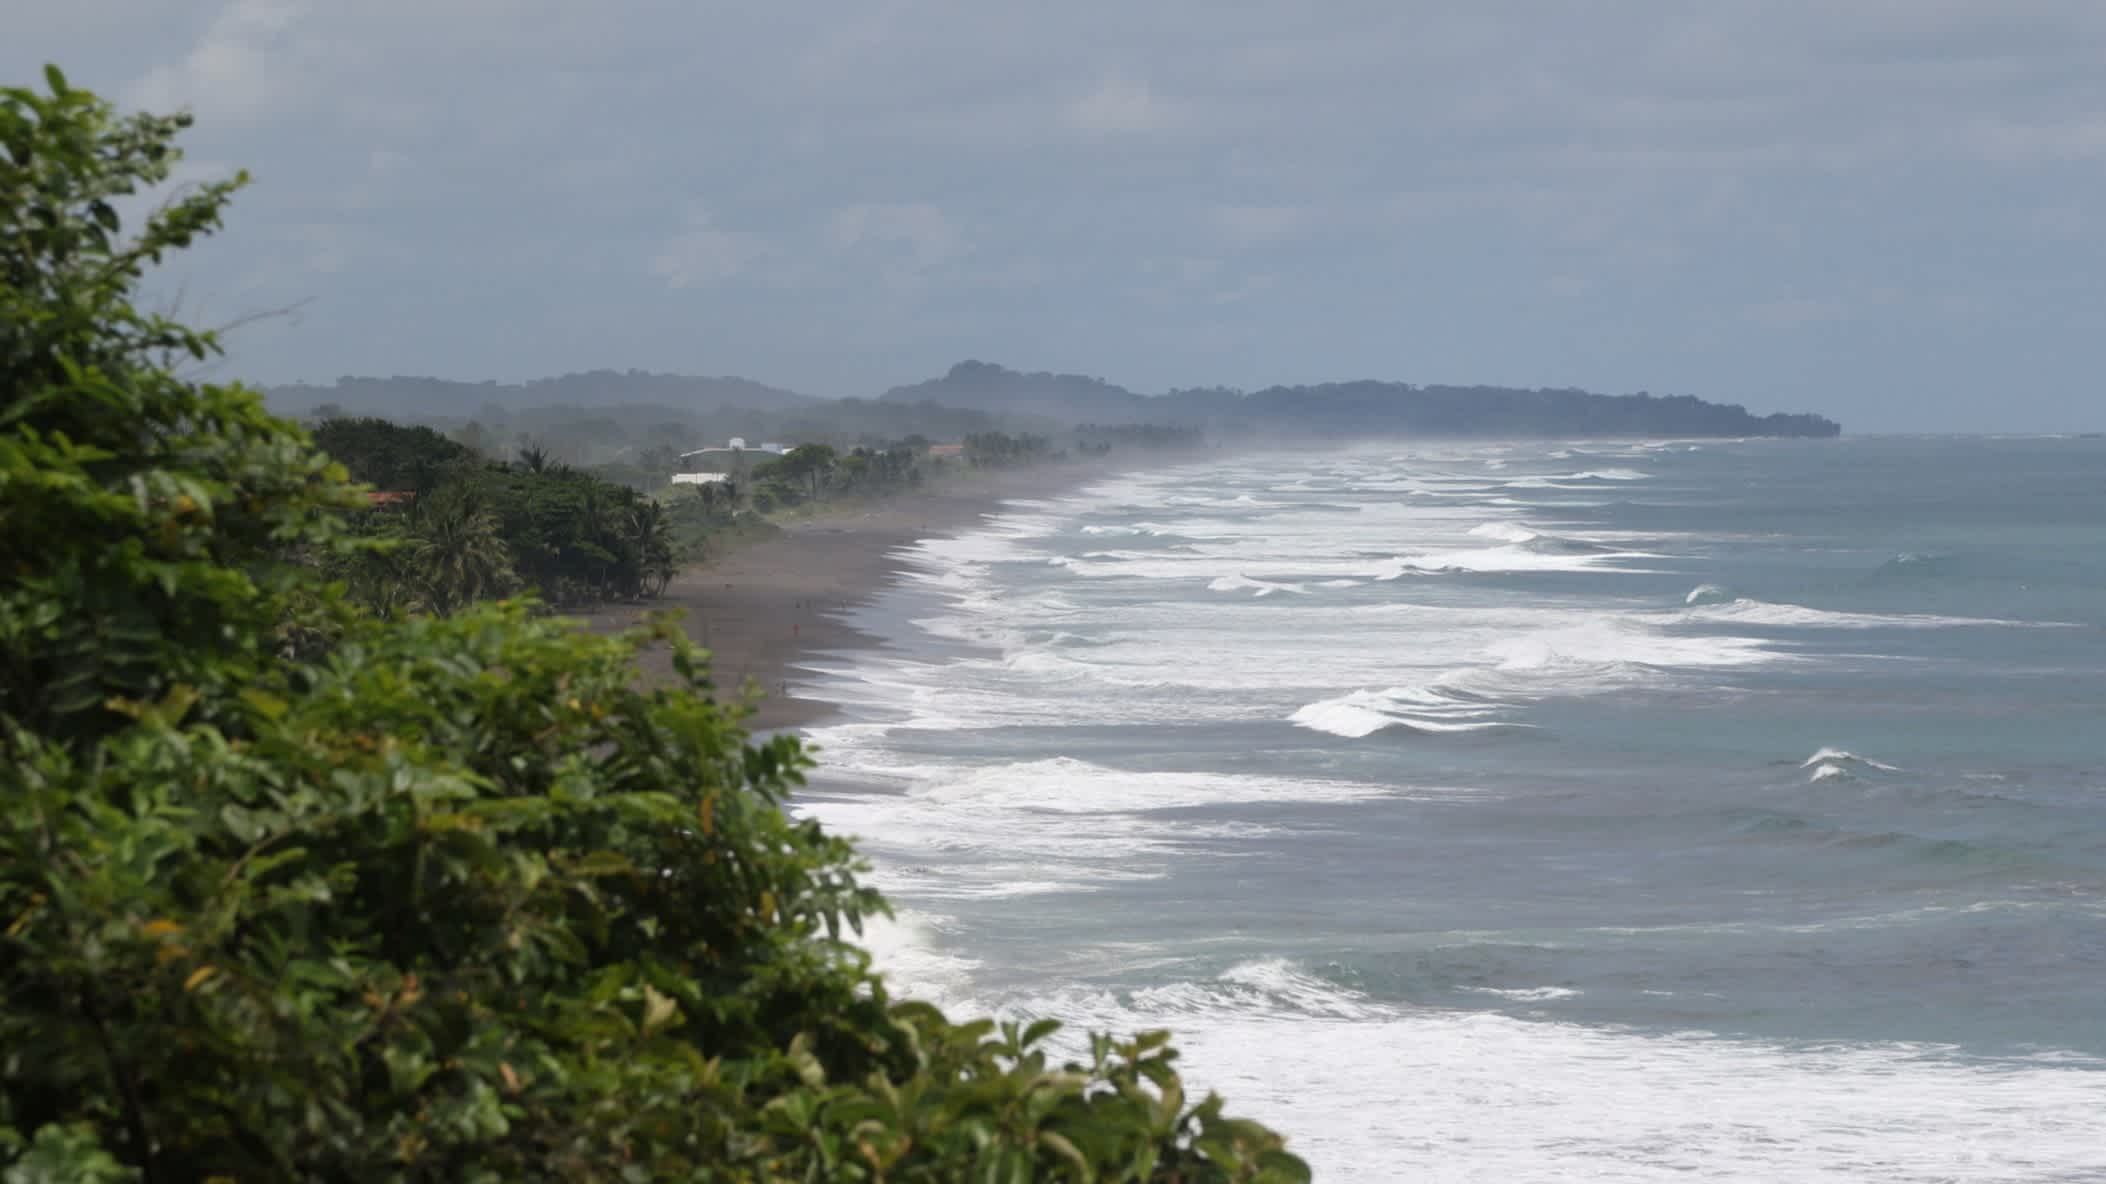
(573, 537)
(474, 530)
(1100, 439)
(291, 892)
(1001, 450)
(390, 456)
(815, 472)
(812, 463)
(457, 550)
(140, 516)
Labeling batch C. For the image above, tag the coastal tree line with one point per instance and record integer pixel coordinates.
(291, 889)
(453, 527)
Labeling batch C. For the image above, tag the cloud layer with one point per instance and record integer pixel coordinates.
(1883, 209)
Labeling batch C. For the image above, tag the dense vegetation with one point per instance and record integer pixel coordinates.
(292, 891)
(470, 529)
(390, 456)
(810, 472)
(1002, 450)
(618, 420)
(454, 526)
(1100, 439)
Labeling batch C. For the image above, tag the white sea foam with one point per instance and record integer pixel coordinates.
(1057, 824)
(1375, 1091)
(1135, 530)
(1712, 607)
(1062, 785)
(1612, 642)
(1541, 483)
(1514, 557)
(1505, 532)
(1240, 583)
(1528, 994)
(1837, 756)
(1587, 656)
(1363, 713)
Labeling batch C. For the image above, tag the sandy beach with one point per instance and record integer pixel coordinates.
(761, 607)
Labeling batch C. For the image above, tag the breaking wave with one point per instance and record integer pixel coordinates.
(1831, 764)
(1711, 604)
(1428, 710)
(1256, 587)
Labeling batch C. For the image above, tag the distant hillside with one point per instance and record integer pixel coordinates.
(439, 398)
(1063, 398)
(1354, 408)
(603, 412)
(1376, 407)
(606, 417)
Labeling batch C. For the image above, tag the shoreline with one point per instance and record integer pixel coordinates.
(765, 608)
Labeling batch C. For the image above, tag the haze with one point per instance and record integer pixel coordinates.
(1886, 212)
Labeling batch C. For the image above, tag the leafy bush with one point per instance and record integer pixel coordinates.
(288, 891)
(390, 455)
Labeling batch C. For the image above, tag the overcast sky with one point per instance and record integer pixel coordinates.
(1886, 210)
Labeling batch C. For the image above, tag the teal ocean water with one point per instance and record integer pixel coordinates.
(1616, 811)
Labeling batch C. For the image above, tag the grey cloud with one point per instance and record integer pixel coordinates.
(841, 196)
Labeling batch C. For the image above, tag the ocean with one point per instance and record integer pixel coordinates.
(1626, 811)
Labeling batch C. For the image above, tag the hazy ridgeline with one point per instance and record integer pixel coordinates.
(605, 416)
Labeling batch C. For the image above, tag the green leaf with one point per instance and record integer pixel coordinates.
(269, 706)
(659, 1010)
(1059, 1145)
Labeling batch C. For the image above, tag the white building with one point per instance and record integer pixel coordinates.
(736, 445)
(700, 478)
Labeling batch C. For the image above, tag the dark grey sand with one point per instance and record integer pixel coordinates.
(760, 608)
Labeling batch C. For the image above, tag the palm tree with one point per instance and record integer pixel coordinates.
(814, 462)
(652, 532)
(459, 552)
(384, 579)
(600, 543)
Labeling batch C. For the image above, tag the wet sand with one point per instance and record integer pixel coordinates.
(764, 606)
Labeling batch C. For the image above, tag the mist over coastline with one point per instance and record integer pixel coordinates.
(978, 397)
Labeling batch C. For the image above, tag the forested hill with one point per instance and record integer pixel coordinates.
(600, 410)
(439, 398)
(1355, 408)
(1069, 398)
